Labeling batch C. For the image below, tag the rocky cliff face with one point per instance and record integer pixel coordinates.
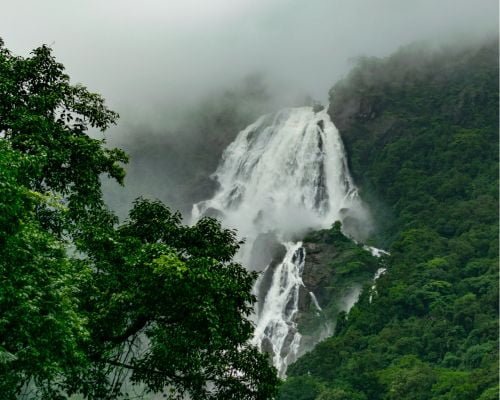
(335, 271)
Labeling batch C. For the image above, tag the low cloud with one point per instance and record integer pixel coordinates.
(156, 61)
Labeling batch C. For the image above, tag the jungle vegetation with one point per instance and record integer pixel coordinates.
(421, 132)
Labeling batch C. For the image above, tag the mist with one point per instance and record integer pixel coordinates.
(172, 68)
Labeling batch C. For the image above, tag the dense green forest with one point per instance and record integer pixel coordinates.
(92, 308)
(421, 132)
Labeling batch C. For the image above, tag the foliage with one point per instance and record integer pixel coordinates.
(175, 288)
(87, 305)
(300, 388)
(421, 131)
(40, 326)
(43, 115)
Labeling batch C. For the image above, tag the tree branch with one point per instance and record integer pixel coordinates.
(136, 326)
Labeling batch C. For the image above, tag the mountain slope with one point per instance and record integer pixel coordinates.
(421, 132)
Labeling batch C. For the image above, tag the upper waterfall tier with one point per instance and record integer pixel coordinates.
(284, 173)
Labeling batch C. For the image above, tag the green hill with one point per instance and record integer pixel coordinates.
(421, 131)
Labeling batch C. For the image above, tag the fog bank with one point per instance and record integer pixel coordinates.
(161, 64)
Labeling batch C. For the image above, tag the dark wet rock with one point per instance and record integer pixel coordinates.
(316, 273)
(298, 256)
(267, 252)
(267, 347)
(202, 187)
(334, 268)
(304, 299)
(285, 349)
(266, 249)
(235, 197)
(263, 286)
(317, 107)
(321, 195)
(290, 305)
(213, 213)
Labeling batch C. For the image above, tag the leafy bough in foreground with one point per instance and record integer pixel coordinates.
(171, 297)
(151, 304)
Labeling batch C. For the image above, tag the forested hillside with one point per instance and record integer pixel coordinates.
(421, 133)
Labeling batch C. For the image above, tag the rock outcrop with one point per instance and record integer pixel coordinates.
(335, 270)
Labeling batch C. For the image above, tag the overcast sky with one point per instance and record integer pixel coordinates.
(145, 55)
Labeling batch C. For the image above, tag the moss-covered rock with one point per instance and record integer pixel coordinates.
(335, 271)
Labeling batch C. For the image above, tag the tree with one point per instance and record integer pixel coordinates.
(175, 288)
(340, 394)
(87, 305)
(300, 388)
(408, 379)
(43, 115)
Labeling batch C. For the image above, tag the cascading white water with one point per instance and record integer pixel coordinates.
(275, 331)
(282, 175)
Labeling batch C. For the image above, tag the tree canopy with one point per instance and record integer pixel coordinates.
(92, 307)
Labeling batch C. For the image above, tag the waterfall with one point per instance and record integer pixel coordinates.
(284, 174)
(275, 331)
